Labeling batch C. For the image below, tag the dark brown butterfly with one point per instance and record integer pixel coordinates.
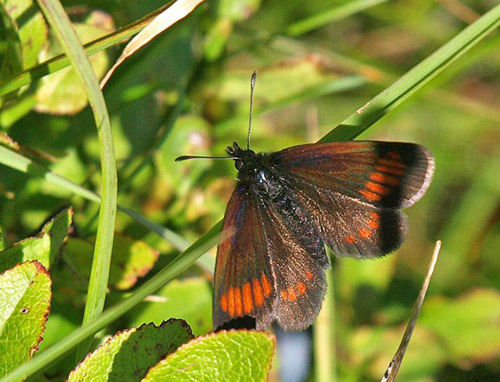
(288, 204)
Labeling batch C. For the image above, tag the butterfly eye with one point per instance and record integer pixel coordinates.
(238, 164)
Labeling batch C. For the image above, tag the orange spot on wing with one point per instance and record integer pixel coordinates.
(266, 286)
(257, 292)
(370, 195)
(390, 170)
(309, 275)
(373, 224)
(391, 163)
(365, 233)
(375, 216)
(301, 288)
(394, 155)
(377, 188)
(384, 179)
(247, 298)
(223, 302)
(283, 294)
(237, 302)
(350, 239)
(230, 301)
(292, 296)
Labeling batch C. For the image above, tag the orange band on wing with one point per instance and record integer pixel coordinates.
(247, 298)
(379, 189)
(365, 233)
(370, 195)
(266, 286)
(223, 302)
(257, 292)
(238, 304)
(384, 178)
(390, 170)
(301, 288)
(230, 302)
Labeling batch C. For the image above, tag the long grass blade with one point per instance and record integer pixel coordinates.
(66, 35)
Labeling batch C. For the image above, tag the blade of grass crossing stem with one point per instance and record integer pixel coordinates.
(479, 30)
(417, 77)
(324, 337)
(71, 45)
(178, 265)
(395, 364)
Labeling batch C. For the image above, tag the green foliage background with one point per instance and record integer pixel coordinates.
(187, 93)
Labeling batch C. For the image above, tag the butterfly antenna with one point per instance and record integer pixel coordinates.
(252, 87)
(186, 157)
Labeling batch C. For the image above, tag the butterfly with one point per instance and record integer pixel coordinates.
(287, 205)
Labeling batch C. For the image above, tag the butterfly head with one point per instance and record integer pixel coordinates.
(241, 157)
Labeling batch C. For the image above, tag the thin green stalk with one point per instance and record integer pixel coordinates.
(324, 336)
(178, 265)
(98, 283)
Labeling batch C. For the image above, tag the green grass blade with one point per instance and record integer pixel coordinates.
(178, 265)
(327, 17)
(61, 61)
(417, 77)
(66, 35)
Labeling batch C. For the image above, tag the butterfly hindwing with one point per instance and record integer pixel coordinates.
(383, 174)
(350, 227)
(244, 281)
(299, 261)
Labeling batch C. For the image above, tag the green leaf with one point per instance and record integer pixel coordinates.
(170, 301)
(129, 354)
(62, 92)
(130, 259)
(10, 47)
(224, 356)
(32, 30)
(24, 305)
(466, 326)
(42, 248)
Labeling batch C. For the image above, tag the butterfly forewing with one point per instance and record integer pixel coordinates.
(244, 281)
(383, 174)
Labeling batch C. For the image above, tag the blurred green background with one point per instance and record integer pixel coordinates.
(187, 93)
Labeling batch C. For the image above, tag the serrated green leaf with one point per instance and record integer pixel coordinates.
(42, 248)
(34, 248)
(129, 354)
(24, 305)
(131, 259)
(170, 301)
(224, 356)
(57, 228)
(467, 326)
